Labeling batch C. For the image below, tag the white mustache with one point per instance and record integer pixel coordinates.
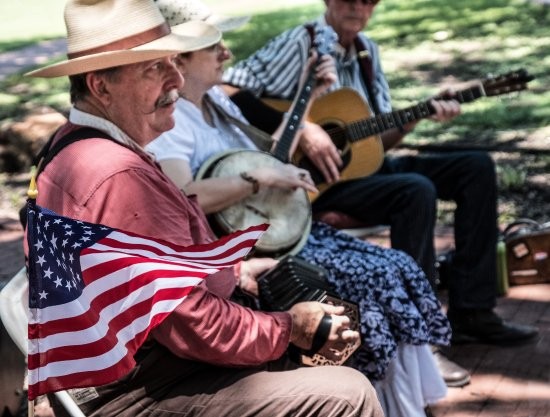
(166, 99)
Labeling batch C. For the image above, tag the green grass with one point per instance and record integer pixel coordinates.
(250, 7)
(26, 21)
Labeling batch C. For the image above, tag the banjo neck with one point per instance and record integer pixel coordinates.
(283, 146)
(323, 41)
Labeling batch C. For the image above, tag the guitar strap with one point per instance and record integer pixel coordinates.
(365, 65)
(261, 139)
(48, 152)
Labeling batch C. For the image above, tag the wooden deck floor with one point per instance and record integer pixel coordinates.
(506, 381)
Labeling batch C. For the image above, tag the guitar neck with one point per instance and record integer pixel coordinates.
(378, 124)
(282, 149)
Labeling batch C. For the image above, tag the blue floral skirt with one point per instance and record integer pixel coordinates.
(396, 301)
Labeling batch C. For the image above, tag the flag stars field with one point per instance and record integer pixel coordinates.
(109, 285)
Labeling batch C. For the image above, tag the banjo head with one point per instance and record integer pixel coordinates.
(288, 212)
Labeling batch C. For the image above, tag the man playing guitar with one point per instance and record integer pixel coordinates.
(403, 193)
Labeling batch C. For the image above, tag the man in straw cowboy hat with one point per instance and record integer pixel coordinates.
(209, 357)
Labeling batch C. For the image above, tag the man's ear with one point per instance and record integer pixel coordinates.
(97, 87)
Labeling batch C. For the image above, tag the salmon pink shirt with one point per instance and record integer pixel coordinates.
(101, 181)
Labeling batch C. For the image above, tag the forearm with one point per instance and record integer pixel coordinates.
(210, 329)
(215, 194)
(392, 138)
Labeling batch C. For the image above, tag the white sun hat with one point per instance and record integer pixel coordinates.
(108, 33)
(180, 11)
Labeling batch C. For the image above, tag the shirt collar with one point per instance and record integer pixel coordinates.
(79, 117)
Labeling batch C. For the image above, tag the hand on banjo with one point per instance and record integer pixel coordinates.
(284, 176)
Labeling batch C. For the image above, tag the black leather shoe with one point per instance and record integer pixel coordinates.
(453, 374)
(484, 326)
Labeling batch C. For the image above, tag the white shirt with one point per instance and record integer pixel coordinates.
(78, 117)
(194, 140)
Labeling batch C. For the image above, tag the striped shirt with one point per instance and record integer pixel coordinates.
(275, 69)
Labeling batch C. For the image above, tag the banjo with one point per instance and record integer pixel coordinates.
(287, 211)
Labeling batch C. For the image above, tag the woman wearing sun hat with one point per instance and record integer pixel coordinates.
(400, 314)
(177, 12)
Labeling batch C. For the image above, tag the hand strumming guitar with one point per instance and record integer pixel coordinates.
(325, 75)
(317, 145)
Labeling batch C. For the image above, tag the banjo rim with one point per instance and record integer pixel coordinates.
(205, 171)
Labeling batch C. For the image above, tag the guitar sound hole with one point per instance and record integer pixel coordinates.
(346, 158)
(316, 175)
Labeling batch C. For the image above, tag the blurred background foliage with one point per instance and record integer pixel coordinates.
(426, 45)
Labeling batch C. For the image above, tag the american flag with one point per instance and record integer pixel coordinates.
(96, 292)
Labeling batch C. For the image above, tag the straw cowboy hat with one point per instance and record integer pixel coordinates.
(107, 33)
(180, 11)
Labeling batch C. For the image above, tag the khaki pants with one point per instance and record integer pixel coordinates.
(165, 386)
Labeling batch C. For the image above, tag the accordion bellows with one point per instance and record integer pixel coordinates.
(294, 280)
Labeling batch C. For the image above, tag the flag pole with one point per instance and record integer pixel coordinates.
(32, 193)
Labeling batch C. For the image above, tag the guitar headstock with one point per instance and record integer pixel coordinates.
(507, 83)
(325, 38)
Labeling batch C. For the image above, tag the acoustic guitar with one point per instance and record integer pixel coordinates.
(347, 119)
(288, 211)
